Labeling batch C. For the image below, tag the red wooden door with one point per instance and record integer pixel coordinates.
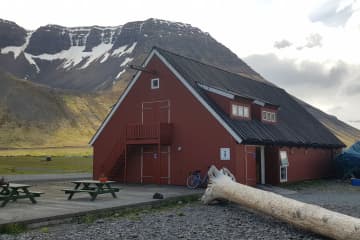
(149, 164)
(250, 161)
(155, 167)
(165, 165)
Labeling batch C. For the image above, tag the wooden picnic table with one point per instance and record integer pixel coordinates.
(92, 187)
(15, 191)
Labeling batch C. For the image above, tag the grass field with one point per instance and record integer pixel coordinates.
(33, 161)
(58, 152)
(39, 165)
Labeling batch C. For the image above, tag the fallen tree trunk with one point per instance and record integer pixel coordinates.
(306, 216)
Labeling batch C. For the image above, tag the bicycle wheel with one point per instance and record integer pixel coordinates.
(192, 181)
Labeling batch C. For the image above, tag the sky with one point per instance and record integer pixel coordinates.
(308, 47)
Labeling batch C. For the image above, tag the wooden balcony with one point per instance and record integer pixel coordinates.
(155, 133)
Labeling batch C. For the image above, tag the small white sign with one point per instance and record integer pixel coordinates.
(224, 153)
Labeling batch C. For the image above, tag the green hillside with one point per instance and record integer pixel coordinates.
(32, 115)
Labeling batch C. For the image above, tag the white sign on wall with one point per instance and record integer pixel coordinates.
(224, 153)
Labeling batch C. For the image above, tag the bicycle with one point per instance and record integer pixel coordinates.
(194, 180)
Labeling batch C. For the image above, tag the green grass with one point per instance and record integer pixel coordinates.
(12, 228)
(135, 213)
(58, 152)
(39, 165)
(317, 183)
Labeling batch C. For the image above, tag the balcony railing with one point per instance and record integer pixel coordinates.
(149, 133)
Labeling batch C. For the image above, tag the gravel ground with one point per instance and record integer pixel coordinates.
(197, 221)
(191, 221)
(339, 196)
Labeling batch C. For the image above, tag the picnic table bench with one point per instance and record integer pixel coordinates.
(92, 187)
(15, 191)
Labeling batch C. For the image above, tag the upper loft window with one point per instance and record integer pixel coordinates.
(268, 116)
(155, 83)
(240, 111)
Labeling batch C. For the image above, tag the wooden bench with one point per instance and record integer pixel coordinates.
(92, 187)
(14, 191)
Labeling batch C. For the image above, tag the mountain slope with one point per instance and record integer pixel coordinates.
(32, 115)
(95, 58)
(346, 133)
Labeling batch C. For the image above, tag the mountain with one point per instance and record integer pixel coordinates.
(32, 115)
(89, 59)
(346, 133)
(58, 83)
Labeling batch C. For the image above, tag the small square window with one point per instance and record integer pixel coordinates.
(269, 116)
(155, 83)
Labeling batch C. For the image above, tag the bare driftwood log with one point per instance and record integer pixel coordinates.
(306, 216)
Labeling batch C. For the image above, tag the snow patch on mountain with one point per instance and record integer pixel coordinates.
(121, 50)
(105, 57)
(31, 61)
(131, 49)
(17, 50)
(120, 73)
(96, 53)
(126, 61)
(73, 56)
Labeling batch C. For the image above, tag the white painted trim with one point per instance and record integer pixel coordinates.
(169, 162)
(258, 102)
(246, 168)
(199, 98)
(141, 164)
(262, 149)
(285, 179)
(217, 91)
(121, 99)
(152, 83)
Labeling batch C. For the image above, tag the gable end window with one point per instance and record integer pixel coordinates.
(240, 111)
(268, 116)
(155, 83)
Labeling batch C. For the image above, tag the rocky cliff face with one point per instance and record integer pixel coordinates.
(11, 34)
(94, 58)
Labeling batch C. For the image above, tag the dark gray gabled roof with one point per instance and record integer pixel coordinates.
(295, 126)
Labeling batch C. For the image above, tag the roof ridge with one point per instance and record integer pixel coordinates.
(216, 67)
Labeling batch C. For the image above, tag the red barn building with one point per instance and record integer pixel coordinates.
(178, 115)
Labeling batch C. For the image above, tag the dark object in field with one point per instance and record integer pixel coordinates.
(158, 196)
(48, 159)
(2, 181)
(348, 162)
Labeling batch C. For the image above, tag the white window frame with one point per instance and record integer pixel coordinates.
(239, 110)
(283, 154)
(153, 86)
(246, 112)
(286, 174)
(268, 116)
